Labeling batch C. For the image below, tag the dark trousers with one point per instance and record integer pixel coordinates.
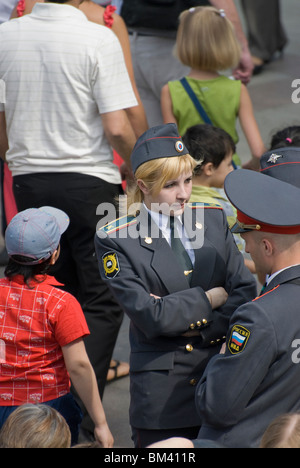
(77, 268)
(266, 33)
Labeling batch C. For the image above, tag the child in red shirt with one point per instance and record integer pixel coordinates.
(42, 328)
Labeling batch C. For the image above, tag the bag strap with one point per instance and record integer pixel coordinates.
(199, 106)
(196, 101)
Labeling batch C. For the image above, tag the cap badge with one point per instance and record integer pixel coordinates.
(273, 158)
(179, 146)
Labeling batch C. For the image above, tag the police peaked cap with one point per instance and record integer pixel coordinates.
(263, 203)
(283, 164)
(158, 142)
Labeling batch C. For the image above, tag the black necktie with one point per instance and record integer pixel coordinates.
(263, 289)
(179, 250)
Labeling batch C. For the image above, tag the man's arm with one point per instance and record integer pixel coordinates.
(231, 379)
(245, 68)
(119, 133)
(3, 136)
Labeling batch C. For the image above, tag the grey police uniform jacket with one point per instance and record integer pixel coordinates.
(165, 366)
(258, 378)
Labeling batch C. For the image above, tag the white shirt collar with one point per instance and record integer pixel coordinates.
(53, 10)
(279, 271)
(162, 220)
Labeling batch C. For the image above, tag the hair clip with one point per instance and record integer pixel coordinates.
(289, 140)
(222, 13)
(192, 10)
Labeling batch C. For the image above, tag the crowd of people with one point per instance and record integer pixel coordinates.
(100, 99)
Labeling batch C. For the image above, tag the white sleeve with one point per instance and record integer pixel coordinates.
(110, 81)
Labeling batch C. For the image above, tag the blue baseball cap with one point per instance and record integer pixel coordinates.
(35, 233)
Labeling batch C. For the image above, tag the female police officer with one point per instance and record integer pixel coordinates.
(177, 273)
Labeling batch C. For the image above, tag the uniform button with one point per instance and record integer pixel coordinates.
(192, 326)
(199, 324)
(189, 348)
(204, 321)
(193, 382)
(212, 342)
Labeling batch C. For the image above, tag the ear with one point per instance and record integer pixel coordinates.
(143, 187)
(54, 256)
(208, 169)
(267, 246)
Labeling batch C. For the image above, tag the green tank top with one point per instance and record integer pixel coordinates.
(220, 98)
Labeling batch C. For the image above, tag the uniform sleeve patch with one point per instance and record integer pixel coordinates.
(238, 339)
(111, 264)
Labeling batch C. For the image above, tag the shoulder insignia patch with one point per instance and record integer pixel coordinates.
(238, 339)
(111, 264)
(196, 205)
(118, 224)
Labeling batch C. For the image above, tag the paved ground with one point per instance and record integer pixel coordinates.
(271, 91)
(271, 94)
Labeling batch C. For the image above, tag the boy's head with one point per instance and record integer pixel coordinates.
(213, 149)
(33, 235)
(208, 144)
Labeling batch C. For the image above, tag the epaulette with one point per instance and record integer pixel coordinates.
(196, 205)
(118, 224)
(265, 294)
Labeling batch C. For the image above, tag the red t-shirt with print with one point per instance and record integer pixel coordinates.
(34, 325)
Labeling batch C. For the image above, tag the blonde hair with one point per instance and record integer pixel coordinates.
(35, 426)
(283, 432)
(206, 40)
(156, 173)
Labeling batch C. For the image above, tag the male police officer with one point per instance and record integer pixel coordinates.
(256, 379)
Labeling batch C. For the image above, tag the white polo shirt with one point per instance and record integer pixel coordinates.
(60, 72)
